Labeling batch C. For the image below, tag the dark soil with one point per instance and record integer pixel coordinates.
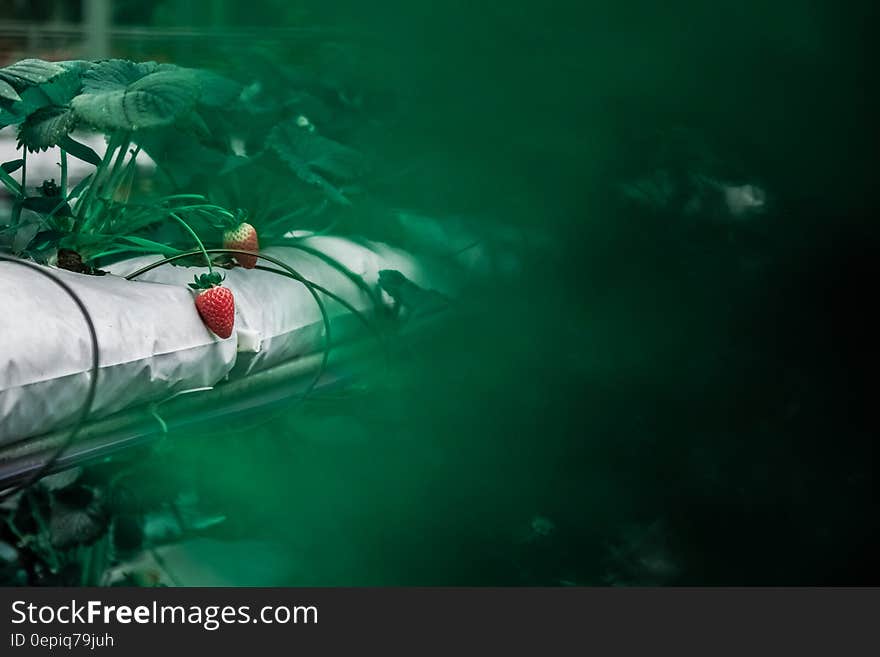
(72, 261)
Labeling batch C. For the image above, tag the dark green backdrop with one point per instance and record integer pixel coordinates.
(650, 398)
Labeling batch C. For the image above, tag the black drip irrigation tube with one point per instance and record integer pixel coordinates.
(89, 400)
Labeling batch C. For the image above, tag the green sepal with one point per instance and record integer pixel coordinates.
(206, 281)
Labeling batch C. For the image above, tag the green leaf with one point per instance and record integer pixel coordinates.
(181, 155)
(13, 165)
(8, 92)
(215, 90)
(78, 65)
(57, 91)
(115, 74)
(46, 127)
(30, 71)
(156, 247)
(47, 205)
(28, 228)
(80, 187)
(122, 95)
(314, 158)
(61, 89)
(8, 118)
(233, 163)
(10, 183)
(194, 123)
(79, 150)
(134, 218)
(318, 153)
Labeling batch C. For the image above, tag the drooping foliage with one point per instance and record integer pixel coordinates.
(210, 136)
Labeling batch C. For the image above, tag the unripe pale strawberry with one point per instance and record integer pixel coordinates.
(244, 237)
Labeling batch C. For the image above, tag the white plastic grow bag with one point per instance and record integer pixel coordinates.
(152, 341)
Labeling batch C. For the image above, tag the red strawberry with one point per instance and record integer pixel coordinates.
(244, 237)
(215, 304)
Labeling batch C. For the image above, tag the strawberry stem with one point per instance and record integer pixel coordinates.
(109, 187)
(127, 177)
(83, 205)
(24, 152)
(63, 173)
(196, 238)
(205, 206)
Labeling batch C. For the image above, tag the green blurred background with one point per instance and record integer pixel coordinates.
(644, 394)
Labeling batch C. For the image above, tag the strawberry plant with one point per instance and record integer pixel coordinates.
(48, 101)
(233, 168)
(209, 136)
(192, 124)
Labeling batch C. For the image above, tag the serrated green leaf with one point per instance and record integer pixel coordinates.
(79, 65)
(122, 95)
(314, 158)
(319, 154)
(57, 91)
(30, 71)
(61, 89)
(46, 127)
(115, 74)
(215, 90)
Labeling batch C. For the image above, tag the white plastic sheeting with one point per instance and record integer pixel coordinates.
(152, 341)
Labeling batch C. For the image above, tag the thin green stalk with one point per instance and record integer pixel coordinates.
(128, 174)
(174, 197)
(77, 190)
(154, 247)
(24, 152)
(61, 204)
(84, 204)
(116, 178)
(332, 295)
(126, 249)
(205, 206)
(164, 250)
(338, 266)
(63, 173)
(109, 184)
(196, 238)
(109, 189)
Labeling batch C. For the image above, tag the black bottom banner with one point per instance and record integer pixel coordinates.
(440, 620)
